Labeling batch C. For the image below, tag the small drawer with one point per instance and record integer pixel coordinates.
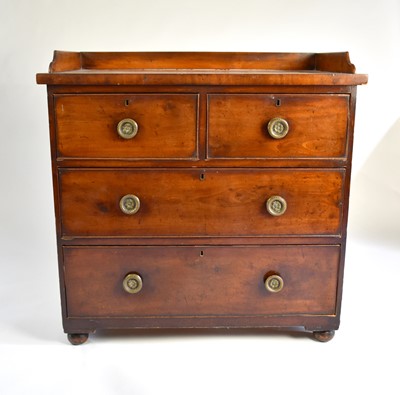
(126, 126)
(200, 281)
(211, 202)
(260, 126)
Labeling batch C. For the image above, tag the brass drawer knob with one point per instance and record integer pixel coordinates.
(127, 128)
(278, 128)
(274, 283)
(129, 204)
(132, 283)
(276, 205)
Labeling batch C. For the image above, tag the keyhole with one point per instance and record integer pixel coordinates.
(201, 253)
(278, 102)
(202, 176)
(127, 101)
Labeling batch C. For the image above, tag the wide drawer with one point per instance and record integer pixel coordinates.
(239, 124)
(198, 202)
(198, 281)
(87, 126)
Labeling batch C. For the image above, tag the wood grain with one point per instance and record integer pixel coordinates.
(178, 203)
(201, 78)
(203, 167)
(237, 126)
(200, 68)
(197, 281)
(87, 126)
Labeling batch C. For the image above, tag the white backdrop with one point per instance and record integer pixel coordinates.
(34, 354)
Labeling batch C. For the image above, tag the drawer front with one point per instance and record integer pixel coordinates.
(238, 126)
(87, 126)
(212, 202)
(199, 281)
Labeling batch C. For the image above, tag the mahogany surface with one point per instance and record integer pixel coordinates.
(201, 281)
(167, 124)
(218, 205)
(237, 125)
(203, 165)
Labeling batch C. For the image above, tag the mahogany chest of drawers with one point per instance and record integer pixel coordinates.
(201, 189)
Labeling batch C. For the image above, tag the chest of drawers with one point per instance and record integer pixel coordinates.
(201, 190)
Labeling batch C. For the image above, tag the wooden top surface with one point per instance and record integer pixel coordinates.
(200, 68)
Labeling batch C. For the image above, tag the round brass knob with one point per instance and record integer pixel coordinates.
(274, 283)
(278, 128)
(129, 204)
(132, 283)
(127, 128)
(276, 205)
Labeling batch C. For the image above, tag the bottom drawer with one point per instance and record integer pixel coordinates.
(200, 281)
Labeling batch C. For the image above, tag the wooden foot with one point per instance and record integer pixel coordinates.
(77, 338)
(323, 336)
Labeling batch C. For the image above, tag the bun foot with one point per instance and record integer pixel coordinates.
(323, 336)
(77, 338)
